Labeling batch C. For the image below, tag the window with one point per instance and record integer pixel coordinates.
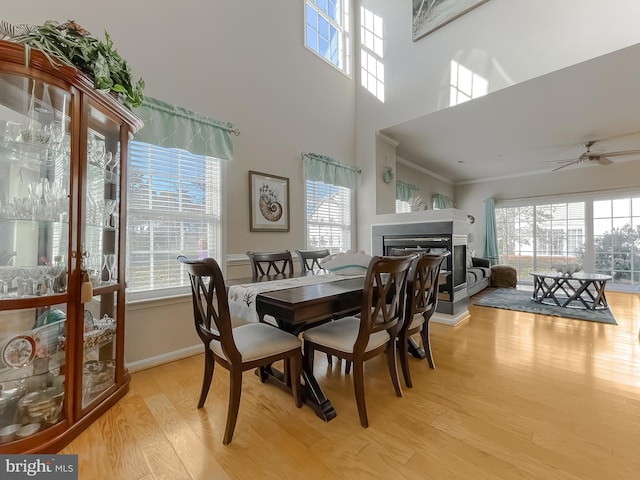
(328, 216)
(371, 53)
(601, 233)
(402, 206)
(327, 31)
(174, 207)
(535, 237)
(616, 238)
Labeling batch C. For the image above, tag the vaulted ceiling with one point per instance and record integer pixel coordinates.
(527, 127)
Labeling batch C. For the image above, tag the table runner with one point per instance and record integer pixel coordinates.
(242, 298)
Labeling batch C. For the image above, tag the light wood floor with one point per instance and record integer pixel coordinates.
(514, 396)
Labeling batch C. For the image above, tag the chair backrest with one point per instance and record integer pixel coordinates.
(422, 287)
(310, 259)
(383, 297)
(271, 263)
(210, 304)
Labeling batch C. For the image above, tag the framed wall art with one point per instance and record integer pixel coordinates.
(268, 202)
(429, 15)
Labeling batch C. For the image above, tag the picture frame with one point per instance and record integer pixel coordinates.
(430, 15)
(268, 202)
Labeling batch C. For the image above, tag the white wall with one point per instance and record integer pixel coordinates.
(505, 41)
(426, 183)
(241, 61)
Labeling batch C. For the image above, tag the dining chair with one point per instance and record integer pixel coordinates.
(421, 300)
(270, 263)
(246, 347)
(357, 339)
(310, 259)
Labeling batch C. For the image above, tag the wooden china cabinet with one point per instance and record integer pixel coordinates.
(63, 147)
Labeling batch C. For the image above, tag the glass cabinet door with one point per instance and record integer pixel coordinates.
(101, 253)
(35, 155)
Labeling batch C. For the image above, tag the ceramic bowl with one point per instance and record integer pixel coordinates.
(8, 433)
(28, 430)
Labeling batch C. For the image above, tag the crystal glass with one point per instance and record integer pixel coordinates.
(7, 276)
(110, 265)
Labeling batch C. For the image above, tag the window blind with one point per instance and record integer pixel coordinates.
(328, 216)
(174, 207)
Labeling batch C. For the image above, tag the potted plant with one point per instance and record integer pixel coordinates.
(72, 45)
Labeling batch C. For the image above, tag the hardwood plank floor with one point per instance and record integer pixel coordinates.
(514, 396)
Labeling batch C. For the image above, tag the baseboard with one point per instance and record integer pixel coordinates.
(451, 320)
(164, 358)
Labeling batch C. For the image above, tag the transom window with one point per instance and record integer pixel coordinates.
(371, 53)
(327, 31)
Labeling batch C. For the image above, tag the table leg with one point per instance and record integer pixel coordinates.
(416, 350)
(313, 396)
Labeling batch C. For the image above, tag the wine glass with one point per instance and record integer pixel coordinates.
(51, 273)
(7, 275)
(108, 208)
(110, 264)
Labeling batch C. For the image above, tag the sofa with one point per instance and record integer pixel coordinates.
(478, 275)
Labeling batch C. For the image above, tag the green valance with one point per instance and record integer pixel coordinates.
(439, 201)
(170, 126)
(405, 191)
(321, 168)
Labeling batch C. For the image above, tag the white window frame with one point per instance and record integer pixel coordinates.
(352, 212)
(216, 247)
(588, 198)
(343, 26)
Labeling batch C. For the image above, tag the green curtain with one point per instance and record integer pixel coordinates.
(490, 235)
(321, 168)
(170, 126)
(439, 201)
(405, 191)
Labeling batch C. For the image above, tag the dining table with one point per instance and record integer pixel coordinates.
(295, 303)
(305, 304)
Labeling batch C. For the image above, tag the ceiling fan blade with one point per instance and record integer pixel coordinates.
(604, 160)
(565, 165)
(622, 152)
(564, 160)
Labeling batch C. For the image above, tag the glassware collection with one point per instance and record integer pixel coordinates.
(59, 228)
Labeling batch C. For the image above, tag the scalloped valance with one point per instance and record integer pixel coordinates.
(405, 191)
(170, 126)
(321, 168)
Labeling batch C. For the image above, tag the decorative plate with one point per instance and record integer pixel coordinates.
(19, 351)
(387, 174)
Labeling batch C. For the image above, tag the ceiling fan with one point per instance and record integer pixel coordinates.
(589, 156)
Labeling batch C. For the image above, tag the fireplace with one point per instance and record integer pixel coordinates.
(435, 237)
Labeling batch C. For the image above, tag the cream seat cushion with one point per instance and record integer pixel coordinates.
(342, 334)
(258, 340)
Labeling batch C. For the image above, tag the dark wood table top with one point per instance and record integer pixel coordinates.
(299, 307)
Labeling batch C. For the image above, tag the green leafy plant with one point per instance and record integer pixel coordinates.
(72, 45)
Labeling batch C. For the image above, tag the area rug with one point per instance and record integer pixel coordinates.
(520, 300)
